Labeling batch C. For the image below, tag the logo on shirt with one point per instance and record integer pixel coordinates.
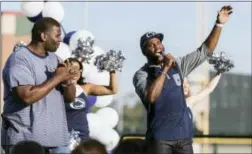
(79, 103)
(177, 79)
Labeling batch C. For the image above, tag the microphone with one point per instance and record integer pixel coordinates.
(164, 54)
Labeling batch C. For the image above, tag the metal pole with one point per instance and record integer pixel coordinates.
(201, 30)
(86, 15)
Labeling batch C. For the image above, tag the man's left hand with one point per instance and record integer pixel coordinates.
(223, 14)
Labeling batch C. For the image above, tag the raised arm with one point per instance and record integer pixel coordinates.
(98, 90)
(192, 100)
(189, 62)
(214, 36)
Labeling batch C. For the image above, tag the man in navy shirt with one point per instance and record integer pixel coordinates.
(159, 85)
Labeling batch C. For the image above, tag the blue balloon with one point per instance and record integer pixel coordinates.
(36, 18)
(91, 101)
(68, 37)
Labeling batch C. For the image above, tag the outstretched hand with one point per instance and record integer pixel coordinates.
(223, 14)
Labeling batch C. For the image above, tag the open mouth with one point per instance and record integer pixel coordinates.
(158, 53)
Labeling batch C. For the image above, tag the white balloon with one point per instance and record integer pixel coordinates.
(81, 34)
(110, 138)
(109, 116)
(63, 51)
(31, 8)
(94, 124)
(54, 10)
(103, 101)
(96, 77)
(86, 69)
(97, 51)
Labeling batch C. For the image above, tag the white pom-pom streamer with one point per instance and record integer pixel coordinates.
(74, 139)
(80, 35)
(222, 63)
(84, 50)
(111, 61)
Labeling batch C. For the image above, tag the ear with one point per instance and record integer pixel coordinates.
(43, 36)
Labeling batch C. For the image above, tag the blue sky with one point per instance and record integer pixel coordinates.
(119, 25)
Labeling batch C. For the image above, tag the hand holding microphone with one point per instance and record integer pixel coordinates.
(169, 60)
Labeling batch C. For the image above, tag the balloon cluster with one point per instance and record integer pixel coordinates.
(111, 61)
(101, 126)
(35, 10)
(221, 62)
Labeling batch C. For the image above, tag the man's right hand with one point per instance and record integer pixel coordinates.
(65, 73)
(169, 60)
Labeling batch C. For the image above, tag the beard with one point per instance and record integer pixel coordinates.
(156, 59)
(52, 47)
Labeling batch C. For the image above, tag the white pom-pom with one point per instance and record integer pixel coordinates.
(54, 10)
(74, 139)
(63, 51)
(79, 35)
(103, 101)
(31, 8)
(111, 61)
(84, 50)
(221, 61)
(109, 116)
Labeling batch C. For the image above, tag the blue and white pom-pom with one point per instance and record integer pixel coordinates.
(74, 139)
(222, 63)
(19, 45)
(84, 50)
(111, 61)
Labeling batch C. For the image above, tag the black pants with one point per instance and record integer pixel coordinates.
(171, 147)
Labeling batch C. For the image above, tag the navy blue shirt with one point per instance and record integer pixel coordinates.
(168, 117)
(77, 116)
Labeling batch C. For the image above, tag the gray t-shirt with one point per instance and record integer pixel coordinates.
(186, 65)
(43, 121)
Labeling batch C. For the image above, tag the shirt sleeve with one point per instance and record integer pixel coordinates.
(140, 83)
(192, 60)
(20, 75)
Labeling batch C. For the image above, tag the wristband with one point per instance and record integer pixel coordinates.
(68, 83)
(219, 25)
(163, 73)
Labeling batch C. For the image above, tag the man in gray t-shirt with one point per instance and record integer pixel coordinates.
(34, 94)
